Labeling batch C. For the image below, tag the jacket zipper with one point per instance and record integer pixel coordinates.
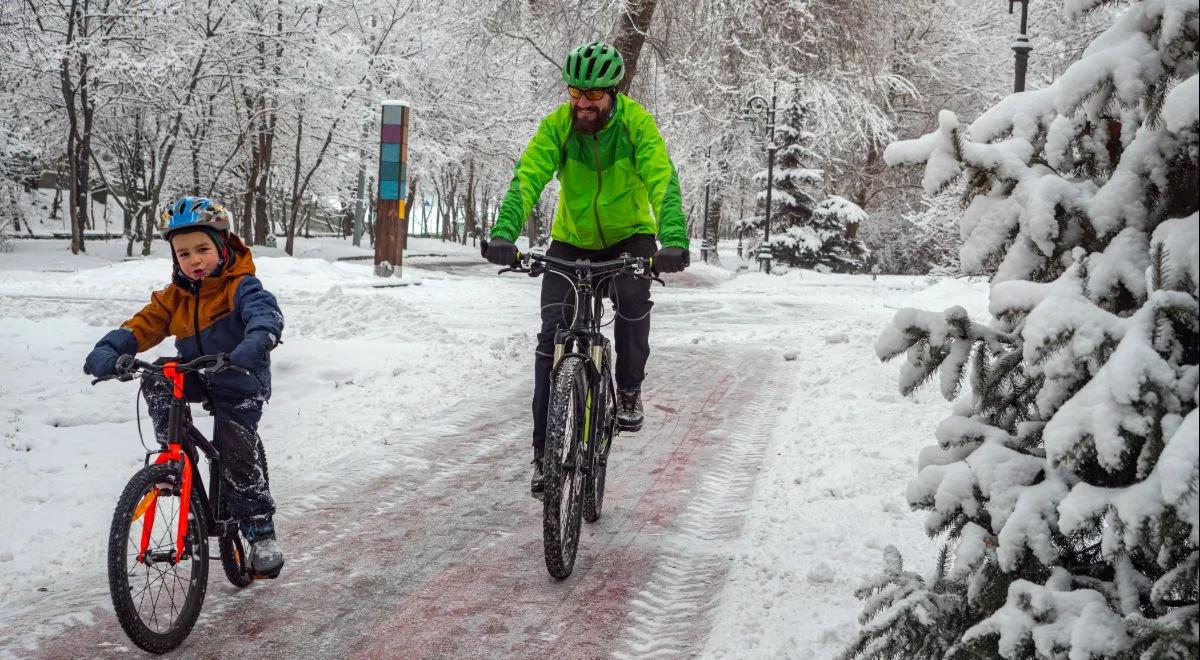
(196, 323)
(599, 184)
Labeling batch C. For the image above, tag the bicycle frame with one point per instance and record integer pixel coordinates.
(589, 345)
(182, 441)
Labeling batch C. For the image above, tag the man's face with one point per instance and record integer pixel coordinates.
(196, 253)
(589, 116)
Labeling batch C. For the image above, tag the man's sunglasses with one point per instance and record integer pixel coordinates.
(591, 94)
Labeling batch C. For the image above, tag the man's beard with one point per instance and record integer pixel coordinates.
(589, 126)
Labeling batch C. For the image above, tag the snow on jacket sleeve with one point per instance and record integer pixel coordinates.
(153, 323)
(263, 322)
(658, 174)
(532, 172)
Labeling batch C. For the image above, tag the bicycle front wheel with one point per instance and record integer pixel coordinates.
(563, 465)
(156, 595)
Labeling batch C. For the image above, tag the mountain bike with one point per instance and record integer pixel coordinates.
(582, 415)
(158, 542)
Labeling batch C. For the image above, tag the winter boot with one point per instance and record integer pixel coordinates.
(629, 409)
(266, 556)
(537, 483)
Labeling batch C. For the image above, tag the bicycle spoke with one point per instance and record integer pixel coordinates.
(159, 597)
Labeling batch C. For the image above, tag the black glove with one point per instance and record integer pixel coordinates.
(501, 252)
(252, 350)
(101, 362)
(671, 260)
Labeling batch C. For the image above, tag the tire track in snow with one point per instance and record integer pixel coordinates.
(668, 617)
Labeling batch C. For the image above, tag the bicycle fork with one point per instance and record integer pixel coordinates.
(145, 508)
(174, 453)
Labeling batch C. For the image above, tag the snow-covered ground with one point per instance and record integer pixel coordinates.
(358, 363)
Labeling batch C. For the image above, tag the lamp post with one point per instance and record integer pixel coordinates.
(758, 105)
(704, 246)
(1021, 46)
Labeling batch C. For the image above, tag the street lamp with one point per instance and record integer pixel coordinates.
(758, 105)
(704, 246)
(1021, 46)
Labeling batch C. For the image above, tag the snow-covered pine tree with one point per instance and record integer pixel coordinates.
(827, 241)
(804, 233)
(1066, 480)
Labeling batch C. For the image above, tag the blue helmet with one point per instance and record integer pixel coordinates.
(195, 212)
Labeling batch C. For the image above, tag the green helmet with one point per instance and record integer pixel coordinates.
(594, 66)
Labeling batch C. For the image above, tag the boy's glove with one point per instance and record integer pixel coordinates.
(101, 362)
(671, 259)
(253, 350)
(501, 252)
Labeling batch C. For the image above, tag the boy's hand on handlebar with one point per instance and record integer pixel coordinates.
(224, 361)
(101, 362)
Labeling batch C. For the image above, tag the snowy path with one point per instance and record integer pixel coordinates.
(738, 522)
(439, 552)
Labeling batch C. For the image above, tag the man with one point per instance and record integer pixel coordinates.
(614, 173)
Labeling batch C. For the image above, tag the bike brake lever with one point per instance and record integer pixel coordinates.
(111, 377)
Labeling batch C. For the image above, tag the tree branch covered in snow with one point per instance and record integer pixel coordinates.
(1066, 479)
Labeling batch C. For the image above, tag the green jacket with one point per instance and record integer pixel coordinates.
(608, 182)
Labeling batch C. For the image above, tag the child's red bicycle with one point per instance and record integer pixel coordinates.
(158, 543)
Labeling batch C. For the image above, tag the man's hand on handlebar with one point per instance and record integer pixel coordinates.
(500, 251)
(671, 260)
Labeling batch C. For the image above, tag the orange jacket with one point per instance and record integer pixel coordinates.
(229, 312)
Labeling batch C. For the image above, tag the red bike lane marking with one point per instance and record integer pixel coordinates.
(459, 570)
(493, 605)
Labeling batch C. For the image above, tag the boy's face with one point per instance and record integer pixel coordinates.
(196, 253)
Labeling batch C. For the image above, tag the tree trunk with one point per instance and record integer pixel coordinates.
(266, 143)
(291, 224)
(629, 33)
(533, 224)
(74, 139)
(405, 222)
(57, 203)
(127, 225)
(374, 206)
(471, 224)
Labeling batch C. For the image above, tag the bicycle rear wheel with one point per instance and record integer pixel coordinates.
(605, 419)
(563, 466)
(156, 597)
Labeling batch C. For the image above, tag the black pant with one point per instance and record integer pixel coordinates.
(235, 434)
(631, 305)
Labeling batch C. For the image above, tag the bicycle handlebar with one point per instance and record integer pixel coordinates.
(128, 367)
(525, 263)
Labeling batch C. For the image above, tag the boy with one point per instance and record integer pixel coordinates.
(214, 304)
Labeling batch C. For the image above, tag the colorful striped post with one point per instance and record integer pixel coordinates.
(391, 232)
